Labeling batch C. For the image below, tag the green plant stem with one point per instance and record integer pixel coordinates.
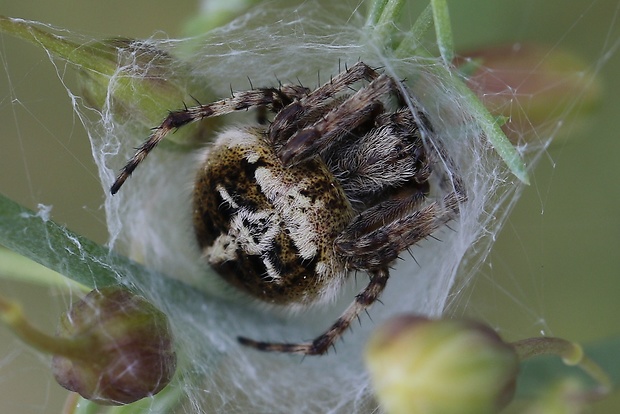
(390, 13)
(571, 353)
(18, 268)
(382, 20)
(82, 348)
(443, 30)
(409, 45)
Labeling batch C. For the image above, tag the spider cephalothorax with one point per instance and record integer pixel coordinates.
(335, 183)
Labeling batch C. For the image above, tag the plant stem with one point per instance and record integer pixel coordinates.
(382, 20)
(571, 353)
(376, 10)
(82, 348)
(409, 45)
(443, 30)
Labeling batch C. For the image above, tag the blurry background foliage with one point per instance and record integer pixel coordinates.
(555, 265)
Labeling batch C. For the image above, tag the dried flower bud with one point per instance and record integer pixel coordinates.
(420, 365)
(126, 350)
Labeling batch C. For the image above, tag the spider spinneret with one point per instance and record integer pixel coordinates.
(335, 183)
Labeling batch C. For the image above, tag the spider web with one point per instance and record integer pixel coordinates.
(150, 218)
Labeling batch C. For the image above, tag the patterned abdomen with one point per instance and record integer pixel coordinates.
(266, 228)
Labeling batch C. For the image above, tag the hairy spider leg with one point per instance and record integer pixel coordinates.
(359, 71)
(377, 235)
(370, 252)
(373, 252)
(285, 123)
(274, 99)
(338, 122)
(370, 244)
(322, 343)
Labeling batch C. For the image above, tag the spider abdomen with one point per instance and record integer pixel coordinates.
(265, 228)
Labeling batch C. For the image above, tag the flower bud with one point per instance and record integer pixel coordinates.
(145, 82)
(125, 350)
(531, 84)
(418, 365)
(130, 78)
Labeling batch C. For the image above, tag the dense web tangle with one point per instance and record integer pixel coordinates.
(421, 283)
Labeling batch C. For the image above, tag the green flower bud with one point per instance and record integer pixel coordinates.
(418, 365)
(144, 82)
(126, 348)
(130, 78)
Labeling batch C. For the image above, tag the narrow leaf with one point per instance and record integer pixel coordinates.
(443, 30)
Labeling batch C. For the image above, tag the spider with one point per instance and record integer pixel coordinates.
(337, 182)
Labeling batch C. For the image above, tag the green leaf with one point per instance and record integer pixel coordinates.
(409, 46)
(491, 127)
(216, 13)
(375, 12)
(38, 238)
(494, 134)
(21, 269)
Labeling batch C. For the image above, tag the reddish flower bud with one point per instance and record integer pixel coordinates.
(126, 350)
(530, 84)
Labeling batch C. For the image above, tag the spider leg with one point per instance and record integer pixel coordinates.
(273, 99)
(338, 122)
(359, 71)
(286, 122)
(323, 342)
(369, 243)
(385, 211)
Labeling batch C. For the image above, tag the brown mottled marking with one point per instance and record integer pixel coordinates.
(297, 223)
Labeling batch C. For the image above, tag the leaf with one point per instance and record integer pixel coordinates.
(38, 238)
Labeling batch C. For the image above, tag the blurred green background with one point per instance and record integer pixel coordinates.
(554, 268)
